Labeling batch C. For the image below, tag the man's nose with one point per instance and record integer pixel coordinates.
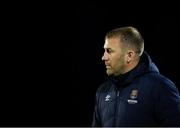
(105, 56)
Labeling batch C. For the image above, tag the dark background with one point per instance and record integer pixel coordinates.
(51, 55)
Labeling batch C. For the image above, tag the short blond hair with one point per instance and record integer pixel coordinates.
(129, 36)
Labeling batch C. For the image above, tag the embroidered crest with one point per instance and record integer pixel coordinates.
(134, 94)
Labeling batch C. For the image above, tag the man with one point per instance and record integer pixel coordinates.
(135, 93)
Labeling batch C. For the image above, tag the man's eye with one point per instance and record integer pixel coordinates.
(109, 50)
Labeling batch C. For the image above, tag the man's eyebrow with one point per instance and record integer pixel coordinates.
(108, 48)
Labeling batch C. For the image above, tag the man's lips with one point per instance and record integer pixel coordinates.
(107, 65)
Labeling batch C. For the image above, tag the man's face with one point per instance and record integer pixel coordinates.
(114, 57)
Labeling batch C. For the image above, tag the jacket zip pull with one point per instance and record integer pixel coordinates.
(118, 93)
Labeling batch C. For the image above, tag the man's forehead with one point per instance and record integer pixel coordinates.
(111, 43)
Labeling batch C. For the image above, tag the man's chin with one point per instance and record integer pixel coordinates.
(109, 73)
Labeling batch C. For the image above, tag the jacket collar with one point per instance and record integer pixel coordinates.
(144, 66)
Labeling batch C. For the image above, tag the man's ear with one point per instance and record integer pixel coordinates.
(130, 55)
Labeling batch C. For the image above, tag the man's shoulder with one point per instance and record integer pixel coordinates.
(156, 78)
(160, 81)
(167, 84)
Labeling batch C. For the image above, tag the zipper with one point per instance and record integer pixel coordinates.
(118, 94)
(116, 108)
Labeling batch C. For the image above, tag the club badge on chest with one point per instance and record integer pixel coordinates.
(133, 97)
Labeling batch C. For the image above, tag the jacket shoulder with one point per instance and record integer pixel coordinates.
(166, 84)
(157, 79)
(161, 85)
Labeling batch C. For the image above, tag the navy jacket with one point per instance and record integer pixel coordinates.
(143, 97)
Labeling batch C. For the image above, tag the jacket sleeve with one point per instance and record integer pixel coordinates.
(168, 104)
(96, 117)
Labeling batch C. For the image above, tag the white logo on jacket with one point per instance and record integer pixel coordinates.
(107, 98)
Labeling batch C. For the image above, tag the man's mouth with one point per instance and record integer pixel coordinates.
(108, 66)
